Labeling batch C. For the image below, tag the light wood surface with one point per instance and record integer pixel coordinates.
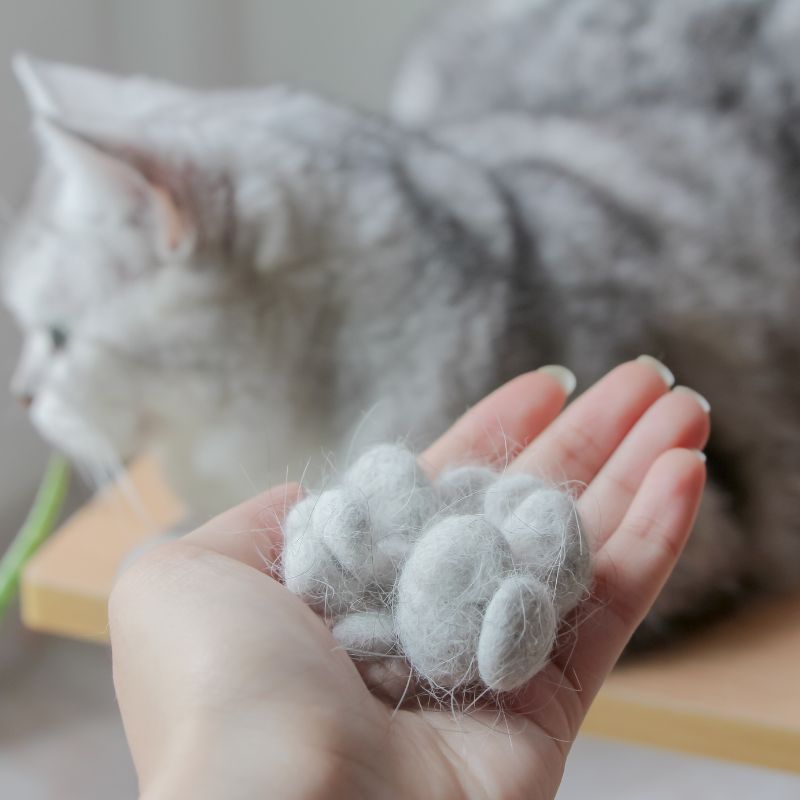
(732, 693)
(65, 586)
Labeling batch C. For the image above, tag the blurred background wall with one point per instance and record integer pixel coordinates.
(346, 48)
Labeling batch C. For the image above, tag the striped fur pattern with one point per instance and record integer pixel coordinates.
(241, 280)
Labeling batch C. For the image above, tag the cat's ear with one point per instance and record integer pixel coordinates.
(32, 77)
(76, 93)
(106, 174)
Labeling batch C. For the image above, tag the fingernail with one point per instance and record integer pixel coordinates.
(563, 375)
(662, 369)
(702, 402)
(700, 454)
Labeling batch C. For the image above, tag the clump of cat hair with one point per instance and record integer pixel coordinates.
(459, 583)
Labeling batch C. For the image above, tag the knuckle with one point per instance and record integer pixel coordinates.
(622, 484)
(655, 533)
(579, 449)
(626, 605)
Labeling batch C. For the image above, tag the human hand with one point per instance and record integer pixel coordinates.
(230, 687)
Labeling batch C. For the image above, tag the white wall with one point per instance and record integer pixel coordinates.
(346, 48)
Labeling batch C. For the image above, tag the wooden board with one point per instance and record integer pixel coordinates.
(733, 693)
(65, 586)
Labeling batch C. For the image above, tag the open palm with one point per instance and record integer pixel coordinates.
(230, 687)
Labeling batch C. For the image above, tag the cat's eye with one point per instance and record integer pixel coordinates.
(58, 337)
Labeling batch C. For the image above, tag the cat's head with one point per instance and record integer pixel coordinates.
(102, 246)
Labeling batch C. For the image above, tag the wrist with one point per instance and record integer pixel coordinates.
(247, 761)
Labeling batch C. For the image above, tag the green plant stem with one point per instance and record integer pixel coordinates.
(37, 527)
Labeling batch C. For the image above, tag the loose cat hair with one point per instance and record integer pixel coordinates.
(240, 280)
(452, 584)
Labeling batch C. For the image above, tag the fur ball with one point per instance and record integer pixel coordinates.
(456, 585)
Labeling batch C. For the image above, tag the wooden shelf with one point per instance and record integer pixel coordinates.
(733, 693)
(65, 586)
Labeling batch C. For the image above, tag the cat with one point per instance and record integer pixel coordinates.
(241, 281)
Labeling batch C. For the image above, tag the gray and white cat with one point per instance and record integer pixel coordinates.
(231, 279)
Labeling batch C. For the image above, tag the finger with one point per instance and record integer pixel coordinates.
(632, 567)
(503, 423)
(250, 532)
(499, 424)
(679, 419)
(579, 442)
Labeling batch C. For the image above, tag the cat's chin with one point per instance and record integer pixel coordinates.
(80, 442)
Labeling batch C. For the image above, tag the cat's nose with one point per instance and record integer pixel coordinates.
(25, 400)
